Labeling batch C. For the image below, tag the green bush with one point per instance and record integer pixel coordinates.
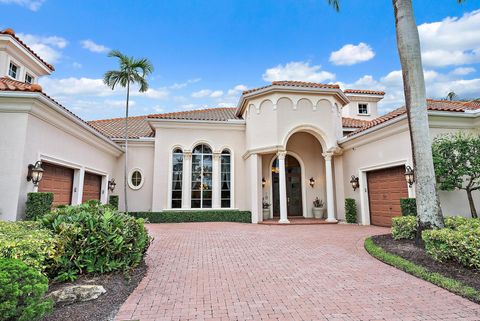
(457, 222)
(95, 238)
(408, 206)
(22, 292)
(350, 210)
(404, 227)
(113, 201)
(195, 216)
(27, 241)
(38, 204)
(461, 245)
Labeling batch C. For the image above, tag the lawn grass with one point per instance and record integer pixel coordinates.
(446, 283)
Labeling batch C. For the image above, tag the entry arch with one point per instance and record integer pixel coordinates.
(311, 129)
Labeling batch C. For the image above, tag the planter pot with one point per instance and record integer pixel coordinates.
(266, 213)
(318, 212)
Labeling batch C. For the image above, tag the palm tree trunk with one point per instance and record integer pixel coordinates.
(125, 174)
(428, 205)
(473, 210)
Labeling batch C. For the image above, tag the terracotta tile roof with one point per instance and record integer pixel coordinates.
(353, 123)
(364, 91)
(7, 84)
(138, 126)
(432, 104)
(11, 33)
(290, 83)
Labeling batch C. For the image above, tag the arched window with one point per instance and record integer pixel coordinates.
(201, 177)
(225, 179)
(177, 175)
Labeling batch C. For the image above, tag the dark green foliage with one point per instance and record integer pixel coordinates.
(38, 204)
(195, 216)
(113, 201)
(95, 238)
(350, 210)
(408, 206)
(22, 292)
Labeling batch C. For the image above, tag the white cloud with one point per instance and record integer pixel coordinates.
(207, 93)
(184, 84)
(216, 94)
(94, 47)
(75, 86)
(76, 65)
(33, 5)
(352, 54)
(237, 90)
(452, 41)
(297, 70)
(46, 47)
(119, 103)
(159, 93)
(461, 71)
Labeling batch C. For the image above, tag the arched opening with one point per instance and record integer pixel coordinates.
(201, 196)
(293, 176)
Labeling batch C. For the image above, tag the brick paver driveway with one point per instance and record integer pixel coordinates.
(231, 271)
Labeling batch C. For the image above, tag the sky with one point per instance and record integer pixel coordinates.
(205, 53)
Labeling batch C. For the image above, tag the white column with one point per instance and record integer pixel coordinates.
(187, 179)
(254, 168)
(330, 191)
(216, 186)
(78, 186)
(282, 188)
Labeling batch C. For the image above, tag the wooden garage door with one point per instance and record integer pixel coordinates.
(59, 181)
(385, 189)
(92, 187)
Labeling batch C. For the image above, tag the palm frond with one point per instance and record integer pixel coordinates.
(336, 4)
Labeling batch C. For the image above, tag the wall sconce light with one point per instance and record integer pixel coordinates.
(111, 184)
(312, 182)
(35, 173)
(264, 181)
(409, 175)
(355, 182)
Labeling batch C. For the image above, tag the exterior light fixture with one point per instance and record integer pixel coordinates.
(264, 181)
(312, 182)
(355, 182)
(35, 173)
(111, 184)
(409, 175)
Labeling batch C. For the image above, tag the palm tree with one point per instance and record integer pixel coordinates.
(451, 96)
(408, 44)
(131, 71)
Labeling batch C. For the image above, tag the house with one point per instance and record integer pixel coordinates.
(285, 143)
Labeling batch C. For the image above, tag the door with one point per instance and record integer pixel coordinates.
(92, 187)
(293, 176)
(385, 189)
(59, 181)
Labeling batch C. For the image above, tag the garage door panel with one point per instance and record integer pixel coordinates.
(59, 181)
(92, 187)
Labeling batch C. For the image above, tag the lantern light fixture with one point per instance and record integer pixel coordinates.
(264, 182)
(355, 182)
(111, 185)
(35, 173)
(312, 182)
(409, 175)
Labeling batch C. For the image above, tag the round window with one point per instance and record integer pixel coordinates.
(136, 179)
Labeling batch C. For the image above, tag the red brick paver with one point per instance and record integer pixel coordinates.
(232, 271)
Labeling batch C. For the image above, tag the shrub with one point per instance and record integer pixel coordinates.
(404, 227)
(27, 241)
(95, 238)
(408, 206)
(195, 216)
(457, 222)
(350, 210)
(22, 292)
(38, 204)
(113, 201)
(461, 245)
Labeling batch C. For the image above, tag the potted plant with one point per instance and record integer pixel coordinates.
(318, 208)
(266, 209)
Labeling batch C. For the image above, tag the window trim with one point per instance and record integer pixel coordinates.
(230, 198)
(170, 180)
(17, 73)
(363, 114)
(29, 75)
(202, 154)
(142, 181)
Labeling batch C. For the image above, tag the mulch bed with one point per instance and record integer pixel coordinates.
(106, 306)
(409, 251)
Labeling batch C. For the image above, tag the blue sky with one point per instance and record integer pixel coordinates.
(206, 52)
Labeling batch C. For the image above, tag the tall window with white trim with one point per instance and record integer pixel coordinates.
(225, 179)
(177, 175)
(201, 177)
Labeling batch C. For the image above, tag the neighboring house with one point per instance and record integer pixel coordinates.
(287, 143)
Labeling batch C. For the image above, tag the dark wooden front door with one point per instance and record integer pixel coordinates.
(59, 181)
(293, 176)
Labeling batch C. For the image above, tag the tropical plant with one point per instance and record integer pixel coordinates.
(131, 71)
(350, 210)
(318, 202)
(457, 164)
(451, 96)
(38, 204)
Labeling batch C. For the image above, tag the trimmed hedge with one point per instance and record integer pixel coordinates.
(22, 292)
(195, 216)
(38, 204)
(404, 227)
(408, 206)
(113, 201)
(27, 241)
(350, 210)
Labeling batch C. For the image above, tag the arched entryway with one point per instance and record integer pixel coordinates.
(293, 176)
